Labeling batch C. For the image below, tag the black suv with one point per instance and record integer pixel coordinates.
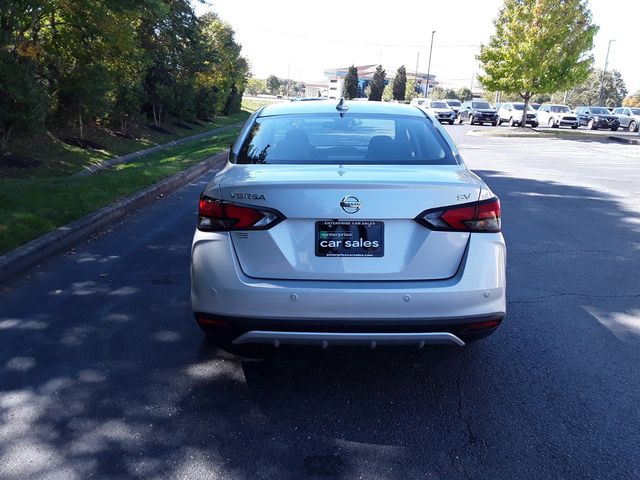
(597, 117)
(478, 111)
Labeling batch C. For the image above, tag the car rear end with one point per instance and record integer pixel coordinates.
(351, 226)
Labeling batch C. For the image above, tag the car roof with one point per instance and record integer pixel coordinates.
(329, 106)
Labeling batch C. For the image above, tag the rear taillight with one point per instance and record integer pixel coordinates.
(215, 215)
(481, 216)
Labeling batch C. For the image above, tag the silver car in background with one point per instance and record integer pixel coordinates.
(629, 117)
(351, 223)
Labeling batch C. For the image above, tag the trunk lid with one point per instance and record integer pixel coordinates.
(391, 194)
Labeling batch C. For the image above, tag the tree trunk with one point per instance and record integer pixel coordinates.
(523, 121)
(155, 118)
(6, 134)
(80, 125)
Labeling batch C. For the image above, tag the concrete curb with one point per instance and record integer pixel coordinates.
(97, 167)
(628, 141)
(27, 256)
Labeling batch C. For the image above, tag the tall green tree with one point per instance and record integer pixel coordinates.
(464, 94)
(588, 92)
(377, 83)
(400, 84)
(350, 87)
(22, 98)
(412, 90)
(437, 93)
(450, 93)
(256, 86)
(273, 84)
(539, 46)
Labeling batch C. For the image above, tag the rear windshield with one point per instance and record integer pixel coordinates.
(560, 109)
(454, 103)
(438, 105)
(635, 111)
(600, 110)
(350, 139)
(480, 105)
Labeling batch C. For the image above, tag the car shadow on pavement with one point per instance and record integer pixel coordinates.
(105, 374)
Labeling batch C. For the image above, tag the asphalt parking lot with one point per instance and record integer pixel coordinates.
(104, 374)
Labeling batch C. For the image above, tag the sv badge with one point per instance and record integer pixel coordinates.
(464, 196)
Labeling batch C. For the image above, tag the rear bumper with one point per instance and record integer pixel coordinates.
(419, 332)
(221, 291)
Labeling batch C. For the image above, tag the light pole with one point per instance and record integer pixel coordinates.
(426, 93)
(606, 62)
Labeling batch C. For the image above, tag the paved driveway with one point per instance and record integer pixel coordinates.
(103, 373)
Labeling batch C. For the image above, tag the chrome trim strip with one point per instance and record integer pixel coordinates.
(324, 339)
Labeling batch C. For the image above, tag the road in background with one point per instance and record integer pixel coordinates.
(103, 372)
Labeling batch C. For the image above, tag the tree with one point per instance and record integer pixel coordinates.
(539, 46)
(464, 94)
(350, 86)
(377, 83)
(22, 99)
(400, 84)
(256, 86)
(450, 93)
(437, 93)
(588, 92)
(411, 92)
(632, 100)
(273, 84)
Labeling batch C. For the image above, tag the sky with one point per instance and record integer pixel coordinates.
(300, 40)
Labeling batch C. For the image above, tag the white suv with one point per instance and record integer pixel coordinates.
(438, 108)
(552, 115)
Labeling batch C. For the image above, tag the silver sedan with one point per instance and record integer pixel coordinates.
(351, 223)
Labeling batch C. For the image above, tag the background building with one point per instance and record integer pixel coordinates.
(332, 86)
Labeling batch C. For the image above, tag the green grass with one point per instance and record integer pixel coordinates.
(37, 201)
(30, 207)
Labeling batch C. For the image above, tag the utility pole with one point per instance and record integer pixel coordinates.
(288, 78)
(606, 62)
(426, 94)
(415, 80)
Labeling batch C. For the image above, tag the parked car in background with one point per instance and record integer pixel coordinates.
(597, 117)
(404, 249)
(478, 111)
(438, 108)
(511, 112)
(454, 104)
(535, 106)
(553, 115)
(629, 117)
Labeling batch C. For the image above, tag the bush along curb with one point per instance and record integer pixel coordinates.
(97, 167)
(31, 254)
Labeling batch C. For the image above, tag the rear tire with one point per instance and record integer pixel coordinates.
(470, 119)
(552, 123)
(512, 123)
(613, 129)
(534, 125)
(633, 126)
(494, 123)
(574, 127)
(460, 119)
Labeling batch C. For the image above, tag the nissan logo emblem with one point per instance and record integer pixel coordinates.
(350, 204)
